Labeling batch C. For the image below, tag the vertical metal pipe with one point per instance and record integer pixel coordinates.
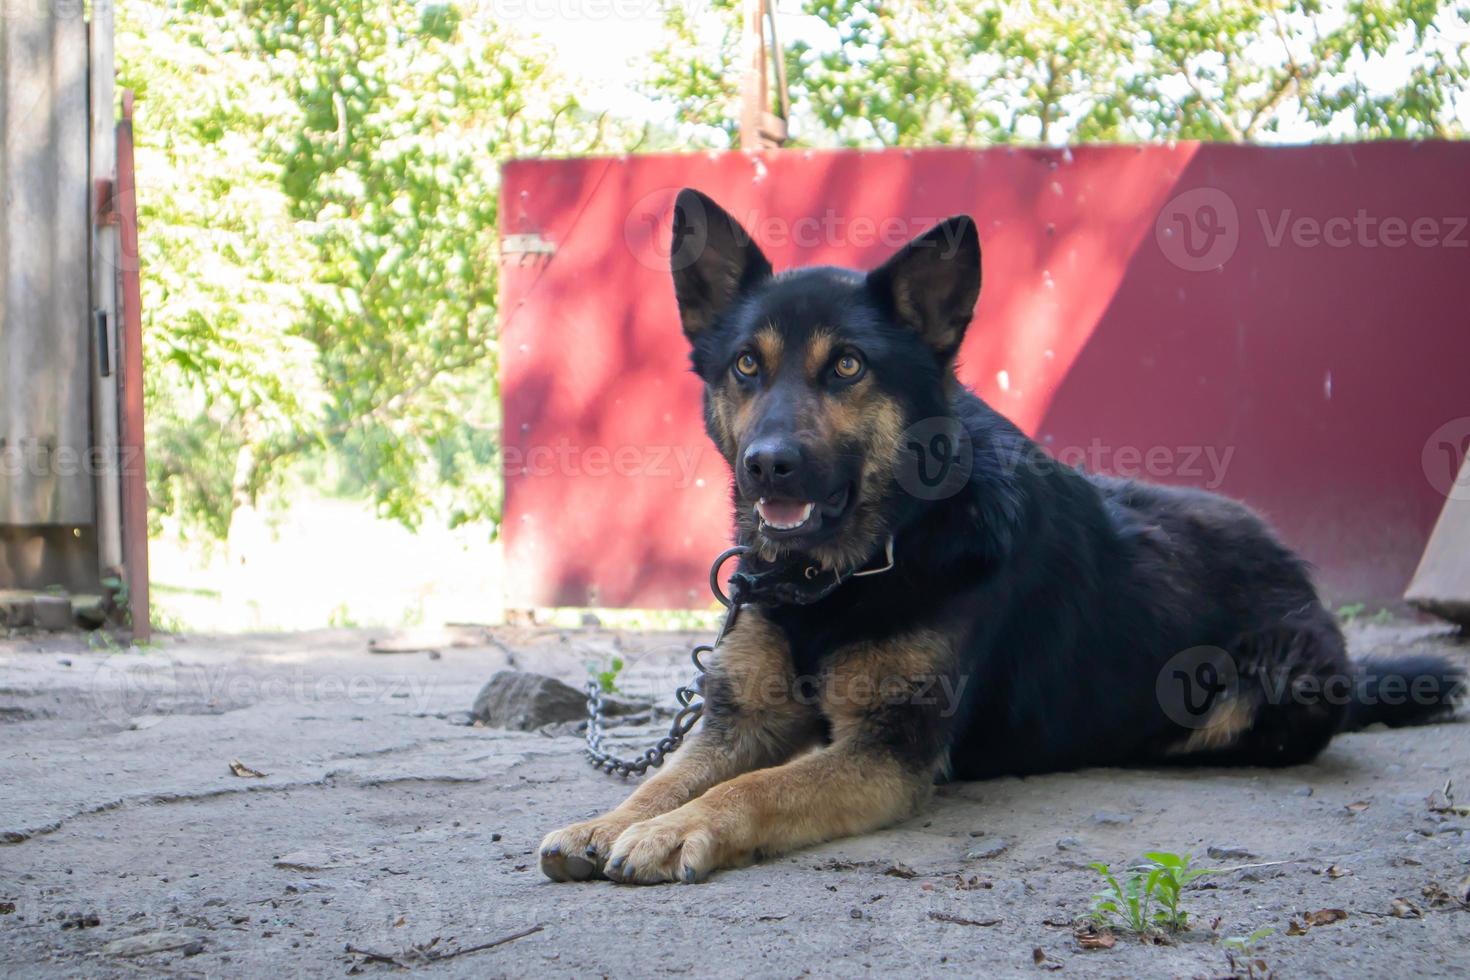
(104, 269)
(130, 368)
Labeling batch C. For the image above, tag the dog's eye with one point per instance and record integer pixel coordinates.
(848, 366)
(746, 365)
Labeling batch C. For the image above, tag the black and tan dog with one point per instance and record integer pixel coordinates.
(1034, 618)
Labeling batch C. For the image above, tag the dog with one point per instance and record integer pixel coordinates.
(977, 609)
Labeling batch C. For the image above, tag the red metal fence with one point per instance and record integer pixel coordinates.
(1290, 326)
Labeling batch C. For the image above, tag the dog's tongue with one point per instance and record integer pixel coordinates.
(784, 511)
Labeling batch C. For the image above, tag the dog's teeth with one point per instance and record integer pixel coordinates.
(762, 508)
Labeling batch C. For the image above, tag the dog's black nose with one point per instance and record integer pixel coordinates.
(773, 461)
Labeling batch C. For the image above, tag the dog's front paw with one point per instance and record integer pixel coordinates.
(578, 852)
(682, 846)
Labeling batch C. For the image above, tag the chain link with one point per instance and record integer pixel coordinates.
(691, 696)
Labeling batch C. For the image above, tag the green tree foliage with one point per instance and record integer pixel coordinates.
(318, 189)
(224, 270)
(905, 73)
(318, 182)
(696, 69)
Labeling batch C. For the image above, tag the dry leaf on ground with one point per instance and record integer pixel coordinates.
(1325, 917)
(1089, 938)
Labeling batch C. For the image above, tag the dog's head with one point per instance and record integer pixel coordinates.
(812, 376)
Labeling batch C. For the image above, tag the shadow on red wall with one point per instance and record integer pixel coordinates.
(1163, 311)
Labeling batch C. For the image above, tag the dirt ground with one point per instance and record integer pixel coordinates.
(386, 832)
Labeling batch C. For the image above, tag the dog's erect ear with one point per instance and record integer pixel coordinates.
(713, 259)
(932, 283)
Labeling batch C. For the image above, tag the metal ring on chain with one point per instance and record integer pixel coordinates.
(714, 573)
(690, 697)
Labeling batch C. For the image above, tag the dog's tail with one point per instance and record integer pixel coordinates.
(1410, 690)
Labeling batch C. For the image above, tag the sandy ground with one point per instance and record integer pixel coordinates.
(384, 823)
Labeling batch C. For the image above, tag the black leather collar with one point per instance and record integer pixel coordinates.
(797, 581)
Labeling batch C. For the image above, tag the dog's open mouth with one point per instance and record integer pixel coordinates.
(785, 518)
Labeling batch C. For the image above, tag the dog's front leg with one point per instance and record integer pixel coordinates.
(846, 788)
(889, 729)
(751, 719)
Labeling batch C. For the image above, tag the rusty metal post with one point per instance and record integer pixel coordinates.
(760, 128)
(754, 97)
(130, 341)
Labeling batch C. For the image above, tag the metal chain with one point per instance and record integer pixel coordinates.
(691, 696)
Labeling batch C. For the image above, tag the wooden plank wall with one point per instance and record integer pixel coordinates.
(45, 403)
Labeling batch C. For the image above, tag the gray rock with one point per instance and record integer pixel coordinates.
(1302, 791)
(525, 701)
(1110, 818)
(1012, 890)
(1229, 852)
(53, 612)
(17, 609)
(1068, 844)
(988, 847)
(150, 942)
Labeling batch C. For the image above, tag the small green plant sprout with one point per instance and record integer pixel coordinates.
(1239, 950)
(117, 603)
(1166, 879)
(1244, 944)
(1148, 896)
(1124, 903)
(1350, 612)
(607, 679)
